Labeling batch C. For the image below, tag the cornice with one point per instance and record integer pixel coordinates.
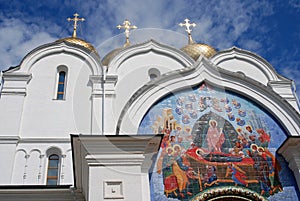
(147, 46)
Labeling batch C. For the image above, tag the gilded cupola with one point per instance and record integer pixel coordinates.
(127, 27)
(194, 49)
(74, 40)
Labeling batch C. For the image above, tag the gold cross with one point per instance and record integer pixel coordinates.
(127, 27)
(75, 19)
(187, 24)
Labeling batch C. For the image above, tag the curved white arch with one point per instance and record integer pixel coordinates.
(257, 67)
(90, 58)
(137, 106)
(35, 150)
(53, 150)
(22, 150)
(142, 48)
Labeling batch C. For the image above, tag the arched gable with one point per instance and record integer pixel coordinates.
(247, 63)
(135, 54)
(91, 59)
(222, 131)
(149, 94)
(253, 66)
(43, 66)
(132, 68)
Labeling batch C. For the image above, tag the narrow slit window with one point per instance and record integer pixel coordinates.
(61, 85)
(53, 170)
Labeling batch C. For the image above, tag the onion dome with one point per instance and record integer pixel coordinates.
(105, 61)
(127, 27)
(79, 42)
(194, 50)
(74, 40)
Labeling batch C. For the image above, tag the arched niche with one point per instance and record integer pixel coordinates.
(244, 156)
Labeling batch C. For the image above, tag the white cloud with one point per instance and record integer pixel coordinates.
(18, 39)
(250, 44)
(219, 23)
(295, 3)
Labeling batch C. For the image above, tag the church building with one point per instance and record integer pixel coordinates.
(147, 122)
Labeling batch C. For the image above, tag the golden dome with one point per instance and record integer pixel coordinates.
(105, 61)
(78, 41)
(194, 50)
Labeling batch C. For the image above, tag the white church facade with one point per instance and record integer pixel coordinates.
(147, 122)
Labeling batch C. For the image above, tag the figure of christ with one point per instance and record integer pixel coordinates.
(215, 138)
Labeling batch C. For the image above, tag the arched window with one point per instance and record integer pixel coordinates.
(53, 169)
(61, 85)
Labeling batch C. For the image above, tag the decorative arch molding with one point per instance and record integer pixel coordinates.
(205, 71)
(20, 166)
(149, 46)
(62, 68)
(53, 150)
(228, 194)
(22, 150)
(234, 53)
(35, 150)
(90, 58)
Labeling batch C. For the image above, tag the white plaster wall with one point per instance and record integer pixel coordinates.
(246, 62)
(31, 163)
(7, 153)
(45, 116)
(11, 107)
(67, 168)
(32, 120)
(19, 167)
(33, 167)
(130, 176)
(132, 75)
(248, 69)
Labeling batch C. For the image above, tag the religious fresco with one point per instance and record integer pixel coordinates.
(215, 138)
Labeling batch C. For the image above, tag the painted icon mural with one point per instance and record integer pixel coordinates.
(215, 138)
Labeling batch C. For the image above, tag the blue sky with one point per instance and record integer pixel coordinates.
(268, 28)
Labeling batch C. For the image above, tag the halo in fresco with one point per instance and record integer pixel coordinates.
(215, 138)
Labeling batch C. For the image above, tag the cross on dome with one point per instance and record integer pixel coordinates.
(127, 26)
(75, 19)
(187, 24)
